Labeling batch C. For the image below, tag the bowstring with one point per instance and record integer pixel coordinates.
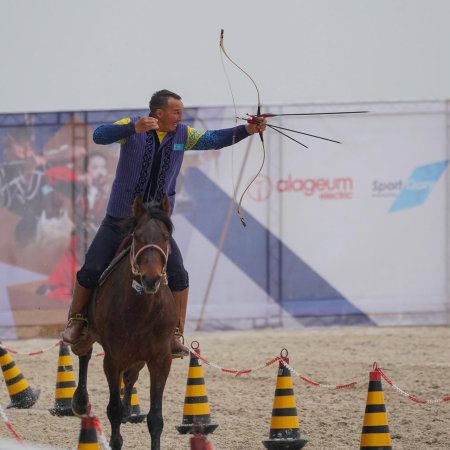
(233, 140)
(222, 48)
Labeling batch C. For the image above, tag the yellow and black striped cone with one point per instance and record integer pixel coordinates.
(375, 432)
(65, 383)
(21, 394)
(196, 407)
(136, 416)
(284, 426)
(88, 434)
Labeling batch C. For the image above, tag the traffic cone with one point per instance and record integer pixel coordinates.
(199, 441)
(65, 383)
(375, 432)
(196, 406)
(21, 394)
(135, 416)
(284, 427)
(88, 434)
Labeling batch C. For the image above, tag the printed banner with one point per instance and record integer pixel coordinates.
(343, 233)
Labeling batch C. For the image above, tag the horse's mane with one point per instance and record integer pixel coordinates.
(154, 211)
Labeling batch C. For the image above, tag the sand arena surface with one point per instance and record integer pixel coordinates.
(417, 360)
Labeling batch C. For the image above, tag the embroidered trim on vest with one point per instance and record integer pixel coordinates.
(164, 168)
(146, 164)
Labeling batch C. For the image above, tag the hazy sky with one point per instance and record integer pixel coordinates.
(110, 54)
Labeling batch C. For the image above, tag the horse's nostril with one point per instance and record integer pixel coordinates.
(151, 284)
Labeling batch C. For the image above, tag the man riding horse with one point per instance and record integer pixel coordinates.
(151, 154)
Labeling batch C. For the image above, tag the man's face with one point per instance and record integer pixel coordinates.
(97, 170)
(171, 116)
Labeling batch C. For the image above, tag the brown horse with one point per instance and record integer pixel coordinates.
(133, 317)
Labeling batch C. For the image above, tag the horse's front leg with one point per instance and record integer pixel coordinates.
(129, 379)
(159, 371)
(80, 397)
(115, 408)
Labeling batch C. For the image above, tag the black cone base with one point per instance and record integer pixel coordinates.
(284, 444)
(204, 429)
(25, 399)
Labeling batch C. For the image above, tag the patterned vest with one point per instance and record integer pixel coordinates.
(134, 168)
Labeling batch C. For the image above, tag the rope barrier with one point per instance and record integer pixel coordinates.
(9, 426)
(411, 397)
(268, 363)
(322, 385)
(37, 352)
(236, 372)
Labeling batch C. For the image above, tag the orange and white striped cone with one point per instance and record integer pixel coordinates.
(284, 426)
(136, 416)
(88, 434)
(21, 394)
(196, 407)
(65, 383)
(375, 432)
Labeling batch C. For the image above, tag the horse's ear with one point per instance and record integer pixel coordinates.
(138, 206)
(165, 204)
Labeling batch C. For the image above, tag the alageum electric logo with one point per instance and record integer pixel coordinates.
(415, 190)
(325, 188)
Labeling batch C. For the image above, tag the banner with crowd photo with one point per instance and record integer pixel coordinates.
(349, 233)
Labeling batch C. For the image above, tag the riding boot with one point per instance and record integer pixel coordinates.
(178, 348)
(77, 324)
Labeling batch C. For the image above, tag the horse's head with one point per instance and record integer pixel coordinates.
(150, 246)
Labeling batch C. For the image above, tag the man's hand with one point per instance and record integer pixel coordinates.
(145, 124)
(257, 127)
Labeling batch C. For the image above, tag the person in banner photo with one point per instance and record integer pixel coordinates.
(151, 154)
(34, 185)
(92, 190)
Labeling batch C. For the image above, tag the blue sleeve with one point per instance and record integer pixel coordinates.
(215, 139)
(110, 133)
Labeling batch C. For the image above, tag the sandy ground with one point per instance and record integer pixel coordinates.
(417, 360)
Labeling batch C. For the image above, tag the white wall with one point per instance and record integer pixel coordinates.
(61, 55)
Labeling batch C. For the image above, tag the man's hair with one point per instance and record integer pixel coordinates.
(160, 99)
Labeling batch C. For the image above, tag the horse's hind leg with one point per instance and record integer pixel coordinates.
(80, 397)
(159, 371)
(129, 379)
(114, 409)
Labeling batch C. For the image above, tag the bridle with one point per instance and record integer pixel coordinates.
(134, 256)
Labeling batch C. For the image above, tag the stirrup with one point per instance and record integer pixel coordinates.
(180, 338)
(178, 334)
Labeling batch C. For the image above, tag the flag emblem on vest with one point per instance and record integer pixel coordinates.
(178, 147)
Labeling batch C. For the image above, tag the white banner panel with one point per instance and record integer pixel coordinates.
(348, 233)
